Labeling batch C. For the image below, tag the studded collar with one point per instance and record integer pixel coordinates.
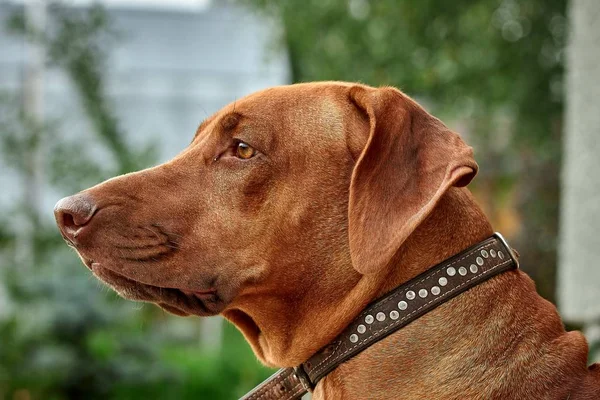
(392, 312)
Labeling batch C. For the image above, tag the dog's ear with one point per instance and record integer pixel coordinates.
(409, 161)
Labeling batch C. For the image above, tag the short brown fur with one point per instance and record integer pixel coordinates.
(353, 191)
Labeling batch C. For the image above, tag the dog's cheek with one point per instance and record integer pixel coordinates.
(255, 191)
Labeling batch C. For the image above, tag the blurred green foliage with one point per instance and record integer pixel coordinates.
(65, 336)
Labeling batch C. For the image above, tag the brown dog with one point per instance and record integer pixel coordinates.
(294, 208)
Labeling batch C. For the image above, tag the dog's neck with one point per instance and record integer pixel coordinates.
(499, 340)
(451, 348)
(333, 298)
(474, 345)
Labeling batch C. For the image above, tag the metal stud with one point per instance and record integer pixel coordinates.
(380, 316)
(479, 260)
(361, 328)
(493, 253)
(369, 319)
(501, 255)
(410, 295)
(394, 315)
(443, 281)
(451, 271)
(435, 290)
(473, 268)
(423, 293)
(462, 271)
(354, 338)
(403, 305)
(484, 253)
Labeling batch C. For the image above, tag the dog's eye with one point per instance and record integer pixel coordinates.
(244, 151)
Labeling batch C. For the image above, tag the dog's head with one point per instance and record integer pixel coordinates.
(289, 189)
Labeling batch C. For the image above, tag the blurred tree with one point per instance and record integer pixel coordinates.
(493, 67)
(62, 337)
(61, 334)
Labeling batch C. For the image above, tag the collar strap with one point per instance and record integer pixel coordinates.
(392, 312)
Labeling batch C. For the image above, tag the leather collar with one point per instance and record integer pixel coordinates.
(392, 312)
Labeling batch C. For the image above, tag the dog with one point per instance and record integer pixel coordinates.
(294, 208)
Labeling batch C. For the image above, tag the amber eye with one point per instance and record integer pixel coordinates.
(244, 151)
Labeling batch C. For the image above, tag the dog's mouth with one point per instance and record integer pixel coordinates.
(180, 302)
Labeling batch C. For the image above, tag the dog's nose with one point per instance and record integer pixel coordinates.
(72, 214)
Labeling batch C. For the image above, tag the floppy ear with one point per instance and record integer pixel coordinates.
(409, 161)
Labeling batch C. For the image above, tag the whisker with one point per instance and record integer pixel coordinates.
(160, 227)
(122, 254)
(145, 247)
(154, 232)
(173, 234)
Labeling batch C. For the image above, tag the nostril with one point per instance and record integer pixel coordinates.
(72, 213)
(68, 227)
(68, 221)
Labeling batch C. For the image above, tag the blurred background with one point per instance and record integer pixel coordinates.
(89, 90)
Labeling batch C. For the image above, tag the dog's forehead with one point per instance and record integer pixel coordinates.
(314, 111)
(299, 93)
(317, 108)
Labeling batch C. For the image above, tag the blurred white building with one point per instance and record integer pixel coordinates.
(177, 62)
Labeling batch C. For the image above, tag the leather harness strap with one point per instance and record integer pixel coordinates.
(392, 312)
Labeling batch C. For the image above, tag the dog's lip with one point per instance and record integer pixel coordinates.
(198, 293)
(89, 263)
(201, 303)
(188, 292)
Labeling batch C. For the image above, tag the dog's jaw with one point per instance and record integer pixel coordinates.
(176, 301)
